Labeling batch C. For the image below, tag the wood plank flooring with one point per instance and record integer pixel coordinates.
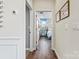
(43, 51)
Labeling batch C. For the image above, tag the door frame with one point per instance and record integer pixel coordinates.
(30, 8)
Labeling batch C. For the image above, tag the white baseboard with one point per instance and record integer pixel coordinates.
(31, 49)
(57, 53)
(28, 49)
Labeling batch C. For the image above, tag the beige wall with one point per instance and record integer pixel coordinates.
(45, 5)
(67, 32)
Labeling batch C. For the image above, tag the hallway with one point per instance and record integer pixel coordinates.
(43, 51)
(25, 26)
(61, 18)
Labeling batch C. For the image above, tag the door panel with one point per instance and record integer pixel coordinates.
(11, 48)
(28, 27)
(13, 23)
(8, 52)
(12, 29)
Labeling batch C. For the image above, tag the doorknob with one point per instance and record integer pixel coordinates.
(14, 11)
(29, 32)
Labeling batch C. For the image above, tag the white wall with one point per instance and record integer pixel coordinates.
(67, 32)
(34, 29)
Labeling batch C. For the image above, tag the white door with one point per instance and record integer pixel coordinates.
(27, 28)
(12, 29)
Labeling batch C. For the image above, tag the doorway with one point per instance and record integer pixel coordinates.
(44, 24)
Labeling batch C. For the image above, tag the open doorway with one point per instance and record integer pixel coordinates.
(44, 25)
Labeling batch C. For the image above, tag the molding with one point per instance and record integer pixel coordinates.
(28, 49)
(10, 38)
(44, 11)
(57, 53)
(11, 46)
(28, 5)
(32, 49)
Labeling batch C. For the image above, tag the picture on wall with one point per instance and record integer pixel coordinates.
(64, 11)
(58, 16)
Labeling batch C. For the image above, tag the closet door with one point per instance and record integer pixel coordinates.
(12, 29)
(27, 28)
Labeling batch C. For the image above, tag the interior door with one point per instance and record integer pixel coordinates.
(27, 28)
(12, 29)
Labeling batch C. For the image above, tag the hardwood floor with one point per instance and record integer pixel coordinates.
(43, 51)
